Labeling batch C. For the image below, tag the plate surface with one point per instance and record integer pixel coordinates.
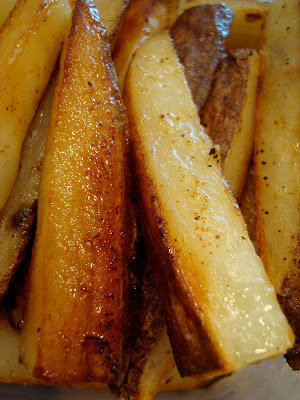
(270, 380)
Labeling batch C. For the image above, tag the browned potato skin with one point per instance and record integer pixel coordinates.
(76, 317)
(222, 114)
(199, 44)
(139, 382)
(247, 23)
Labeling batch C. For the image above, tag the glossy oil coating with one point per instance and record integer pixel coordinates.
(201, 228)
(30, 42)
(76, 319)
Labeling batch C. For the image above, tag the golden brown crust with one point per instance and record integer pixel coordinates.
(83, 262)
(199, 36)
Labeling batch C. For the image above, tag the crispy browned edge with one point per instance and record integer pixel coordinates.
(193, 349)
(150, 323)
(199, 36)
(24, 221)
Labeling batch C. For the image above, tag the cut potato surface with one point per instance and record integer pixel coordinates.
(143, 18)
(76, 316)
(111, 13)
(221, 310)
(30, 42)
(277, 159)
(18, 216)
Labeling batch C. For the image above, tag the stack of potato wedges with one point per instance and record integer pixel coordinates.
(149, 191)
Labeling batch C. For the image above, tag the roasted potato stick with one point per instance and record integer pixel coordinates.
(18, 215)
(277, 159)
(143, 19)
(76, 321)
(151, 358)
(5, 8)
(247, 23)
(31, 36)
(229, 114)
(209, 274)
(199, 36)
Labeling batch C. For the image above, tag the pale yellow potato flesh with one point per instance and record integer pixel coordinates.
(277, 143)
(31, 36)
(239, 154)
(213, 256)
(144, 18)
(5, 8)
(111, 14)
(17, 217)
(11, 370)
(277, 160)
(248, 18)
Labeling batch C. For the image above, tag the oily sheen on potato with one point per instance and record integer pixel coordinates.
(221, 310)
(277, 160)
(76, 318)
(30, 42)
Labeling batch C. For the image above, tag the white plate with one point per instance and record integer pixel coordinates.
(270, 380)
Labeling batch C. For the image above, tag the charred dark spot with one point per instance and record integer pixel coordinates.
(254, 17)
(20, 218)
(95, 344)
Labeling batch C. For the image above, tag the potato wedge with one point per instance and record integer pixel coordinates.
(143, 18)
(199, 36)
(111, 13)
(76, 317)
(277, 159)
(151, 358)
(5, 8)
(18, 216)
(229, 114)
(32, 35)
(247, 22)
(221, 310)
